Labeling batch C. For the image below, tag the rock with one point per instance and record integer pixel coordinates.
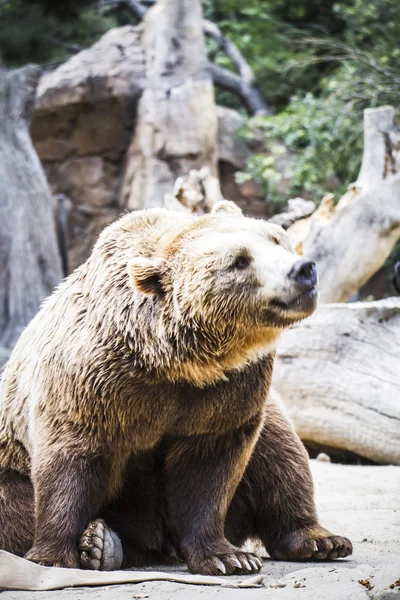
(322, 457)
(90, 180)
(338, 374)
(233, 148)
(82, 125)
(87, 105)
(112, 67)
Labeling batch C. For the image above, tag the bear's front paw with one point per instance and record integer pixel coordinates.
(311, 544)
(225, 564)
(100, 548)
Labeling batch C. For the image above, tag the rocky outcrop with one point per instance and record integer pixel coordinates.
(87, 105)
(83, 121)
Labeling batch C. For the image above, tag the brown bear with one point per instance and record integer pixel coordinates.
(136, 406)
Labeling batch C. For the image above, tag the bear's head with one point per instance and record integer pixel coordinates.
(223, 286)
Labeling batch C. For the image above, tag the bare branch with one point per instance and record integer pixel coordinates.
(213, 31)
(250, 94)
(243, 85)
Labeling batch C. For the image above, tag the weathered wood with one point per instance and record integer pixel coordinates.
(176, 126)
(350, 242)
(196, 192)
(338, 374)
(29, 260)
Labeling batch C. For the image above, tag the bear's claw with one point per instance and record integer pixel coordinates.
(100, 548)
(331, 547)
(312, 544)
(226, 564)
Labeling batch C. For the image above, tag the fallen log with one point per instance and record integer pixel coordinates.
(338, 374)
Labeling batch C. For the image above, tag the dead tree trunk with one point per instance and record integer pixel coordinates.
(29, 260)
(351, 241)
(176, 126)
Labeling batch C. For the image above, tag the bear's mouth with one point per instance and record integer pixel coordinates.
(305, 302)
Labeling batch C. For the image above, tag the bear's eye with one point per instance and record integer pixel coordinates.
(275, 240)
(241, 262)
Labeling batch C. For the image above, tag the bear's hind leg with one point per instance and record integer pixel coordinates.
(17, 522)
(275, 499)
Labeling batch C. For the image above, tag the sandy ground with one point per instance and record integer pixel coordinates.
(360, 502)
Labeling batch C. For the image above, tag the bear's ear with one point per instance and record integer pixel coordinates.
(226, 206)
(145, 275)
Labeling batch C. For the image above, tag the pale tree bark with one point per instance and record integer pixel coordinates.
(176, 127)
(29, 260)
(351, 241)
(338, 374)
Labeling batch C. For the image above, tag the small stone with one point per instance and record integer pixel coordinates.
(322, 457)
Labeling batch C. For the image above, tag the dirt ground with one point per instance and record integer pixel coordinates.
(360, 502)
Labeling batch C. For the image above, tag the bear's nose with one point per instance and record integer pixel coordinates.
(304, 272)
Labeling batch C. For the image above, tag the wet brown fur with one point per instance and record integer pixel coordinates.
(151, 408)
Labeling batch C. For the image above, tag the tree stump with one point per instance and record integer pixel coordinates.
(176, 128)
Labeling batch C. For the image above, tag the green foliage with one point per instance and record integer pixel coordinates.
(322, 129)
(323, 135)
(46, 32)
(268, 32)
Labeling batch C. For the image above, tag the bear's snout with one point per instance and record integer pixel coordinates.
(304, 273)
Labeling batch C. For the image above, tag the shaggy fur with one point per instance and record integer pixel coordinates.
(140, 394)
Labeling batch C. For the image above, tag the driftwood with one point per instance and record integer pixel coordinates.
(351, 241)
(338, 374)
(29, 260)
(196, 192)
(20, 574)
